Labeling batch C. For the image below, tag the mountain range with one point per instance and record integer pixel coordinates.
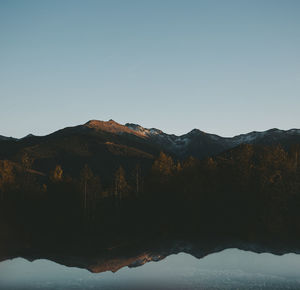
(195, 143)
(106, 145)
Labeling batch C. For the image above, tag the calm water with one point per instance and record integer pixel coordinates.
(229, 269)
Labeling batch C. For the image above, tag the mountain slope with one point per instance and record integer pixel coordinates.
(107, 145)
(199, 144)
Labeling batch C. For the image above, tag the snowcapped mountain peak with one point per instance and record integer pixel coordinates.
(144, 131)
(135, 127)
(196, 143)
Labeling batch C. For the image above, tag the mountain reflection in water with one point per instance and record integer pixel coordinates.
(229, 269)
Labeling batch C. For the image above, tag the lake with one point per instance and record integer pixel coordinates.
(229, 269)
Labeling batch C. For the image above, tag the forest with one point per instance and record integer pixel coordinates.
(250, 193)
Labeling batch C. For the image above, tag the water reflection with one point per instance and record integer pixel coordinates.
(229, 269)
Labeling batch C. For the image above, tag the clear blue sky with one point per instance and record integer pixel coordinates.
(225, 67)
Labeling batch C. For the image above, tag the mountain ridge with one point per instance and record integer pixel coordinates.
(115, 127)
(196, 143)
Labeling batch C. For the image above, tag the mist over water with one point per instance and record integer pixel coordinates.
(229, 269)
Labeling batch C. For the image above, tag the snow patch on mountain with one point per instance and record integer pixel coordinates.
(170, 141)
(144, 131)
(248, 138)
(294, 131)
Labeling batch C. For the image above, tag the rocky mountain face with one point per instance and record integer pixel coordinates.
(196, 143)
(200, 144)
(148, 142)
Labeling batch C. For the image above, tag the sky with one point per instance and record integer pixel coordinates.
(224, 67)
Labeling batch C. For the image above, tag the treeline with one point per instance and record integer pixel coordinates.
(248, 193)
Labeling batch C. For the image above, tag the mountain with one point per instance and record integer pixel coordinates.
(200, 144)
(111, 141)
(104, 146)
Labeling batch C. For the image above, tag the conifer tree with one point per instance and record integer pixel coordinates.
(57, 174)
(164, 165)
(121, 185)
